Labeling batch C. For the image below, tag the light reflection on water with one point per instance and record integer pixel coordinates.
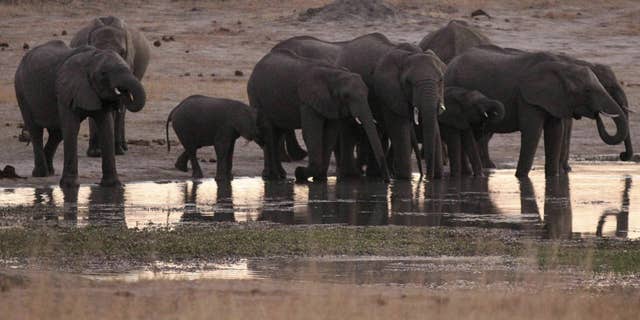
(594, 199)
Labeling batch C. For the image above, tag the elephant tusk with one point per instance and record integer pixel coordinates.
(609, 115)
(358, 120)
(485, 115)
(117, 91)
(416, 116)
(131, 96)
(374, 121)
(442, 108)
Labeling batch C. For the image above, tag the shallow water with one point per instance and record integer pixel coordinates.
(595, 199)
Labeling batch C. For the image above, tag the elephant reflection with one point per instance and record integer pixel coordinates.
(106, 205)
(622, 215)
(44, 204)
(362, 201)
(222, 211)
(278, 202)
(558, 216)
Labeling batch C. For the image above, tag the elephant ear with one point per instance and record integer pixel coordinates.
(547, 86)
(314, 91)
(388, 83)
(73, 86)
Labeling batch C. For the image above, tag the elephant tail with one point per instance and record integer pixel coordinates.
(166, 127)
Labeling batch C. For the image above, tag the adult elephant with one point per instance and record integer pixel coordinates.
(539, 93)
(292, 92)
(453, 39)
(57, 87)
(401, 80)
(466, 111)
(609, 81)
(111, 33)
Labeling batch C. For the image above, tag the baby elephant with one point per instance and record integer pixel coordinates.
(204, 121)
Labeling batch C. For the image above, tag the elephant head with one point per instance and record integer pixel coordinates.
(453, 39)
(407, 81)
(110, 33)
(567, 90)
(468, 109)
(244, 122)
(92, 79)
(612, 85)
(336, 93)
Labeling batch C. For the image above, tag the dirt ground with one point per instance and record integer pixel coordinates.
(44, 295)
(214, 39)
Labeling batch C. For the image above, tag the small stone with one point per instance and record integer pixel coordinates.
(213, 74)
(212, 160)
(186, 74)
(64, 32)
(199, 74)
(25, 46)
(4, 45)
(239, 22)
(55, 34)
(223, 29)
(238, 73)
(507, 20)
(157, 43)
(186, 51)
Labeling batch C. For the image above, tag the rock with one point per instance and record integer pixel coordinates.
(4, 45)
(139, 142)
(238, 73)
(338, 10)
(213, 74)
(157, 43)
(480, 12)
(199, 74)
(223, 29)
(186, 74)
(64, 32)
(9, 172)
(25, 46)
(186, 51)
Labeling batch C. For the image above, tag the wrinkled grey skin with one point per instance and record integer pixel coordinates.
(609, 81)
(453, 39)
(111, 33)
(292, 92)
(539, 93)
(201, 121)
(466, 111)
(399, 77)
(57, 87)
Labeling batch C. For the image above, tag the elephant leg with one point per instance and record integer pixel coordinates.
(282, 152)
(566, 145)
(181, 162)
(270, 150)
(294, 150)
(118, 132)
(347, 166)
(104, 122)
(465, 164)
(39, 158)
(472, 153)
(531, 130)
(195, 166)
(313, 133)
(553, 142)
(373, 170)
(437, 164)
(94, 141)
(331, 130)
(71, 126)
(483, 144)
(224, 153)
(454, 147)
(399, 131)
(55, 136)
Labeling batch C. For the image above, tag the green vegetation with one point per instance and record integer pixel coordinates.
(69, 246)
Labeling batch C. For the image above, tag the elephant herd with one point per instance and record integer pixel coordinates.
(368, 101)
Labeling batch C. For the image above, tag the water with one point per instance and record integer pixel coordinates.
(595, 200)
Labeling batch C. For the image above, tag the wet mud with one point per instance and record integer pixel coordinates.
(591, 201)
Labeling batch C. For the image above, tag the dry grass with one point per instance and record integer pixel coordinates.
(47, 296)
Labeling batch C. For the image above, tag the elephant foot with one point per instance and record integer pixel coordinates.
(488, 164)
(110, 182)
(119, 150)
(181, 166)
(93, 152)
(69, 182)
(522, 175)
(40, 172)
(567, 168)
(626, 156)
(224, 178)
(301, 174)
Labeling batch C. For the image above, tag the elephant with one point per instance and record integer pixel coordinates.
(466, 111)
(57, 87)
(111, 33)
(292, 92)
(453, 39)
(609, 81)
(290, 149)
(201, 121)
(539, 92)
(399, 77)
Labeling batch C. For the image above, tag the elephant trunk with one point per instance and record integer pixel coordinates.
(621, 98)
(425, 97)
(133, 92)
(376, 146)
(613, 110)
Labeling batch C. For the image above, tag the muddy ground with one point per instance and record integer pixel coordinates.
(215, 39)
